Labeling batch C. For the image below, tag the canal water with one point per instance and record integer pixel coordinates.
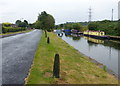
(103, 51)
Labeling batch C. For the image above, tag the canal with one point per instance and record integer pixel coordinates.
(105, 52)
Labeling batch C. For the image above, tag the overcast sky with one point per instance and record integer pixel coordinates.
(62, 10)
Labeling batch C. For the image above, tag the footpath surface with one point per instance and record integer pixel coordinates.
(17, 56)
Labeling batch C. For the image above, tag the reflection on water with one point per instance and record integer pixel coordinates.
(103, 51)
(94, 41)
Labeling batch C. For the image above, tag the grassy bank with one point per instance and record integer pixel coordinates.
(74, 68)
(15, 32)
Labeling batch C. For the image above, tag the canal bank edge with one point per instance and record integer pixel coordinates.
(100, 65)
(72, 65)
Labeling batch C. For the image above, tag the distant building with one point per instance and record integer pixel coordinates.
(119, 10)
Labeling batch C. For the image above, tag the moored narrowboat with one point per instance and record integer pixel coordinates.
(75, 31)
(96, 34)
(67, 30)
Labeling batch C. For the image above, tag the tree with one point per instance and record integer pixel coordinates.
(77, 26)
(61, 25)
(32, 25)
(26, 22)
(93, 26)
(69, 26)
(57, 27)
(38, 24)
(17, 22)
(22, 24)
(47, 21)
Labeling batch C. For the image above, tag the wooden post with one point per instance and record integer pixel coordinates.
(48, 40)
(56, 67)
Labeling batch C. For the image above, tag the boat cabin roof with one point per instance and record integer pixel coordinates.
(93, 31)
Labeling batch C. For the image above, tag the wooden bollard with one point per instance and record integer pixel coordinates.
(56, 67)
(48, 40)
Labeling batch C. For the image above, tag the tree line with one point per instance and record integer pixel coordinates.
(80, 26)
(46, 22)
(109, 27)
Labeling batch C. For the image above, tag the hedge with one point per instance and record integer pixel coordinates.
(12, 29)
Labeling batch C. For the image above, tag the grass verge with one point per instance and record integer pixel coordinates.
(74, 67)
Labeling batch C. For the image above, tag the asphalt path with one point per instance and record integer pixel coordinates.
(17, 56)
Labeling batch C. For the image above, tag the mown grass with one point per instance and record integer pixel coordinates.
(15, 32)
(74, 67)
